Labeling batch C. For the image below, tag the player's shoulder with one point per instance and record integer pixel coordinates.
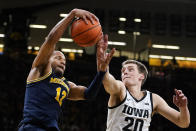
(157, 99)
(155, 95)
(36, 74)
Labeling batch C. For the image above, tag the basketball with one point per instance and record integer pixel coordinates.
(84, 34)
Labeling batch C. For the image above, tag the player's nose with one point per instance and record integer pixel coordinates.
(63, 62)
(125, 71)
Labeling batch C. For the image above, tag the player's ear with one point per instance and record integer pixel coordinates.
(141, 76)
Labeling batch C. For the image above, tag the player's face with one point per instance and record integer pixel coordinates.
(130, 75)
(58, 62)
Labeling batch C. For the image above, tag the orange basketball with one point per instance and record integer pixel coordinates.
(85, 34)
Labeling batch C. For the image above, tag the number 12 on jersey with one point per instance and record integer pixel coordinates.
(58, 97)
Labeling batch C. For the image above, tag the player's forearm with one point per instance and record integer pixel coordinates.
(49, 45)
(108, 83)
(184, 117)
(59, 28)
(93, 89)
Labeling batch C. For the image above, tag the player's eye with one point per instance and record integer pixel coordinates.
(58, 57)
(131, 69)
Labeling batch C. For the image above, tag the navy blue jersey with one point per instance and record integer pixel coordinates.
(44, 98)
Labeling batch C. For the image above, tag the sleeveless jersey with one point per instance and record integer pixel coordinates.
(131, 114)
(43, 100)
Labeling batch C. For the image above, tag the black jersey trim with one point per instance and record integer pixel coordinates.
(39, 79)
(141, 98)
(151, 100)
(119, 103)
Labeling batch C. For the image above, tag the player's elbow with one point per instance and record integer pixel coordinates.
(184, 124)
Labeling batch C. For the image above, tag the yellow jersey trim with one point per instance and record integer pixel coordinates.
(67, 86)
(39, 79)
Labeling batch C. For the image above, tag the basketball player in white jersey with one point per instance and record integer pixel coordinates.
(129, 107)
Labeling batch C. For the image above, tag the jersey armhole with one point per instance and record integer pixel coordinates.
(119, 103)
(151, 100)
(39, 79)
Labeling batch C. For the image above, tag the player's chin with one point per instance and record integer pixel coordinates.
(59, 72)
(127, 82)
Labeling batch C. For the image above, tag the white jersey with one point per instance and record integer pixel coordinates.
(131, 114)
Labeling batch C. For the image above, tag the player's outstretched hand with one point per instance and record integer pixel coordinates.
(179, 99)
(103, 58)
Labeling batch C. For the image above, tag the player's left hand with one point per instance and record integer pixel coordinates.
(179, 99)
(103, 58)
(85, 15)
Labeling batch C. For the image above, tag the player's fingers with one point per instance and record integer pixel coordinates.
(85, 19)
(94, 17)
(100, 59)
(106, 39)
(100, 54)
(100, 36)
(174, 99)
(105, 43)
(91, 19)
(181, 95)
(176, 91)
(99, 40)
(184, 98)
(112, 52)
(180, 92)
(110, 55)
(100, 43)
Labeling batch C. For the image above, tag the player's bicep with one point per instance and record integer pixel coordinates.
(44, 54)
(76, 92)
(165, 110)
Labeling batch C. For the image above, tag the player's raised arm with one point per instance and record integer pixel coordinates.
(111, 85)
(53, 37)
(78, 92)
(181, 117)
(51, 40)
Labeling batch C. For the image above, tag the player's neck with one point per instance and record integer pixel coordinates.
(136, 91)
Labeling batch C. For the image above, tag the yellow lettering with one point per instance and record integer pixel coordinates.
(59, 81)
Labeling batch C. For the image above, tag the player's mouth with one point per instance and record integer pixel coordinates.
(62, 67)
(126, 77)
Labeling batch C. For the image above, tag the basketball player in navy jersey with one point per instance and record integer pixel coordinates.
(46, 87)
(129, 107)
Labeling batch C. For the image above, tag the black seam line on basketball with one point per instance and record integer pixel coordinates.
(85, 31)
(91, 39)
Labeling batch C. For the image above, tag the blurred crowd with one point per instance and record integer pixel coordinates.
(90, 115)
